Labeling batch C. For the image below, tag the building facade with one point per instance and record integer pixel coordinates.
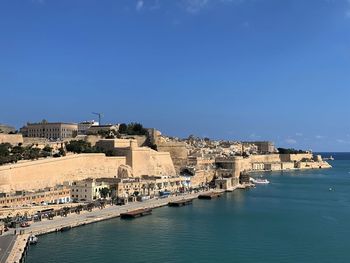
(108, 128)
(84, 126)
(54, 130)
(87, 190)
(50, 196)
(263, 147)
(150, 185)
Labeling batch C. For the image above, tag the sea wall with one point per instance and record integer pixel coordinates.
(39, 174)
(274, 158)
(201, 177)
(276, 162)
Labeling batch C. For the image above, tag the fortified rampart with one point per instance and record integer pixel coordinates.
(50, 172)
(178, 152)
(145, 161)
(13, 139)
(235, 165)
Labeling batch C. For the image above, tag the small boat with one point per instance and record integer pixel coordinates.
(330, 158)
(33, 240)
(259, 181)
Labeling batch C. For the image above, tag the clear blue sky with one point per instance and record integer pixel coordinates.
(228, 69)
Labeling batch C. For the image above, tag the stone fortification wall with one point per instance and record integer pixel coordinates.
(278, 158)
(296, 157)
(111, 144)
(274, 158)
(93, 139)
(276, 162)
(50, 172)
(145, 161)
(202, 176)
(13, 139)
(178, 152)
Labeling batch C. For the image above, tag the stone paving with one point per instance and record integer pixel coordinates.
(6, 245)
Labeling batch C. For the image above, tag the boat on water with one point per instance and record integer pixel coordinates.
(259, 181)
(330, 158)
(33, 240)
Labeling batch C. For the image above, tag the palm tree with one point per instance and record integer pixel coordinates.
(90, 206)
(65, 210)
(78, 209)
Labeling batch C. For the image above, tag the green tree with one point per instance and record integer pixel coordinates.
(5, 149)
(47, 148)
(123, 128)
(105, 192)
(79, 146)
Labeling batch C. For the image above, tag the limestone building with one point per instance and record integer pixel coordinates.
(51, 130)
(87, 190)
(84, 126)
(264, 147)
(105, 128)
(53, 195)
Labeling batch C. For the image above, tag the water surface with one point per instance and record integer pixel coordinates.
(293, 219)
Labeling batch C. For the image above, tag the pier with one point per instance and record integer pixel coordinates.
(180, 203)
(209, 195)
(136, 213)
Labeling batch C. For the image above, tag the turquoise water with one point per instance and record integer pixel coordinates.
(293, 219)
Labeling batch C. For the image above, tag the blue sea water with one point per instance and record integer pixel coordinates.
(293, 219)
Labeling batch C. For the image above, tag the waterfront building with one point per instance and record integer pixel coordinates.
(258, 166)
(273, 166)
(150, 185)
(226, 183)
(227, 166)
(56, 195)
(84, 126)
(88, 189)
(51, 130)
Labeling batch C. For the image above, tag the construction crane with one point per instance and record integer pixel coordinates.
(100, 115)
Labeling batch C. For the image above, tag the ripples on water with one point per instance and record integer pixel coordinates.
(293, 219)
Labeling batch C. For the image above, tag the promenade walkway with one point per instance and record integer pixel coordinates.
(6, 245)
(17, 245)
